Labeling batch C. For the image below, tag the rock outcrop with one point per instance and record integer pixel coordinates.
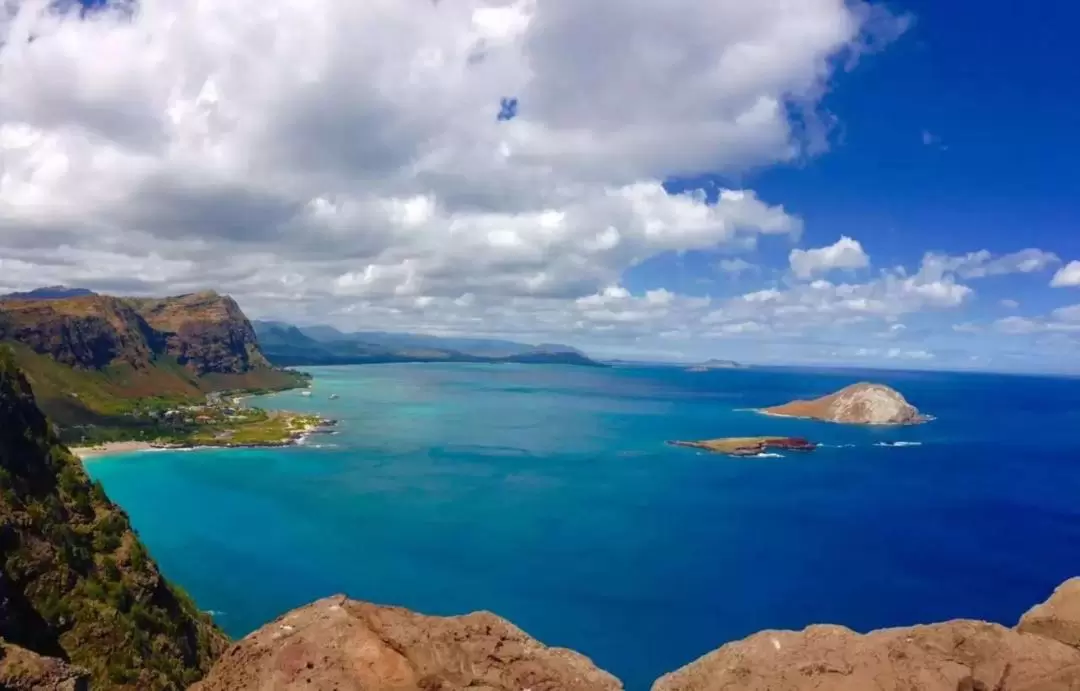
(858, 404)
(1057, 618)
(954, 656)
(24, 670)
(1039, 655)
(205, 332)
(749, 446)
(76, 584)
(344, 645)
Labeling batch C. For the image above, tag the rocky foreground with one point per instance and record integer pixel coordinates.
(346, 645)
(341, 644)
(858, 404)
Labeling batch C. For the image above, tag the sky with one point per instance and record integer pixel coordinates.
(837, 182)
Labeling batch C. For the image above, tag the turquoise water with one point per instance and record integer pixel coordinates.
(547, 495)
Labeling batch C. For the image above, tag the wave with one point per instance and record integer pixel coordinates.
(768, 455)
(837, 446)
(898, 443)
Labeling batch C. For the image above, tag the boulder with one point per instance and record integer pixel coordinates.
(954, 656)
(344, 645)
(23, 670)
(1057, 618)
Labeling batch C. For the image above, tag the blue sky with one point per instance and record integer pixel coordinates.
(960, 136)
(786, 181)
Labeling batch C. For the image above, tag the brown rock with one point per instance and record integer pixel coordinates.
(23, 670)
(954, 656)
(861, 404)
(1057, 618)
(344, 645)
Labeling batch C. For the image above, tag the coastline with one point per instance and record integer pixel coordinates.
(109, 449)
(296, 438)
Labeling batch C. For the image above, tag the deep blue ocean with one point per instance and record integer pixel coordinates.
(547, 495)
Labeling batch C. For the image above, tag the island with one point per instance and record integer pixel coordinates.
(710, 365)
(859, 404)
(749, 446)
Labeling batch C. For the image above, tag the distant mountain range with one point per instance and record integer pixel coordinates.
(288, 345)
(715, 364)
(49, 293)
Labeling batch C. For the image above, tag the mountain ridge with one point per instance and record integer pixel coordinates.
(89, 356)
(289, 345)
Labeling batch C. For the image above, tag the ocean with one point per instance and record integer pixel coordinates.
(547, 495)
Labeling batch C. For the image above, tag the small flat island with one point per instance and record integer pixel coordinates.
(858, 404)
(749, 446)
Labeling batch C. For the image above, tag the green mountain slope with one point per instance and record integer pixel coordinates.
(75, 582)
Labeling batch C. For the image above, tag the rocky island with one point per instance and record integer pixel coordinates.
(748, 446)
(858, 404)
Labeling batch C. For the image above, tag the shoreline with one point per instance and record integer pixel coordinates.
(115, 448)
(111, 448)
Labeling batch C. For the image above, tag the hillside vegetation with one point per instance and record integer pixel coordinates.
(75, 581)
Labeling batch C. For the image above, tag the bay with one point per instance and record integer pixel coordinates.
(547, 495)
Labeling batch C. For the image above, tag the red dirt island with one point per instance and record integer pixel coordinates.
(749, 446)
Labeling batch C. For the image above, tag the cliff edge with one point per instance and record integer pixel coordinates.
(858, 404)
(959, 655)
(345, 645)
(342, 644)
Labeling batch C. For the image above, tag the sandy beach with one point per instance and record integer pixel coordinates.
(85, 452)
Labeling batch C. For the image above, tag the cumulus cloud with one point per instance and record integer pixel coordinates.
(1068, 314)
(307, 151)
(984, 263)
(735, 266)
(1067, 276)
(481, 166)
(1009, 304)
(845, 253)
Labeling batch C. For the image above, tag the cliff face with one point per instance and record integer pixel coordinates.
(87, 355)
(346, 645)
(90, 332)
(859, 404)
(205, 332)
(75, 582)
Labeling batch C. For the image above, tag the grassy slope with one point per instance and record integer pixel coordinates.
(106, 398)
(76, 581)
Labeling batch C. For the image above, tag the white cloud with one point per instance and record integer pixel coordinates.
(983, 263)
(894, 354)
(1009, 304)
(1064, 320)
(735, 266)
(307, 154)
(1068, 314)
(967, 328)
(1067, 276)
(845, 253)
